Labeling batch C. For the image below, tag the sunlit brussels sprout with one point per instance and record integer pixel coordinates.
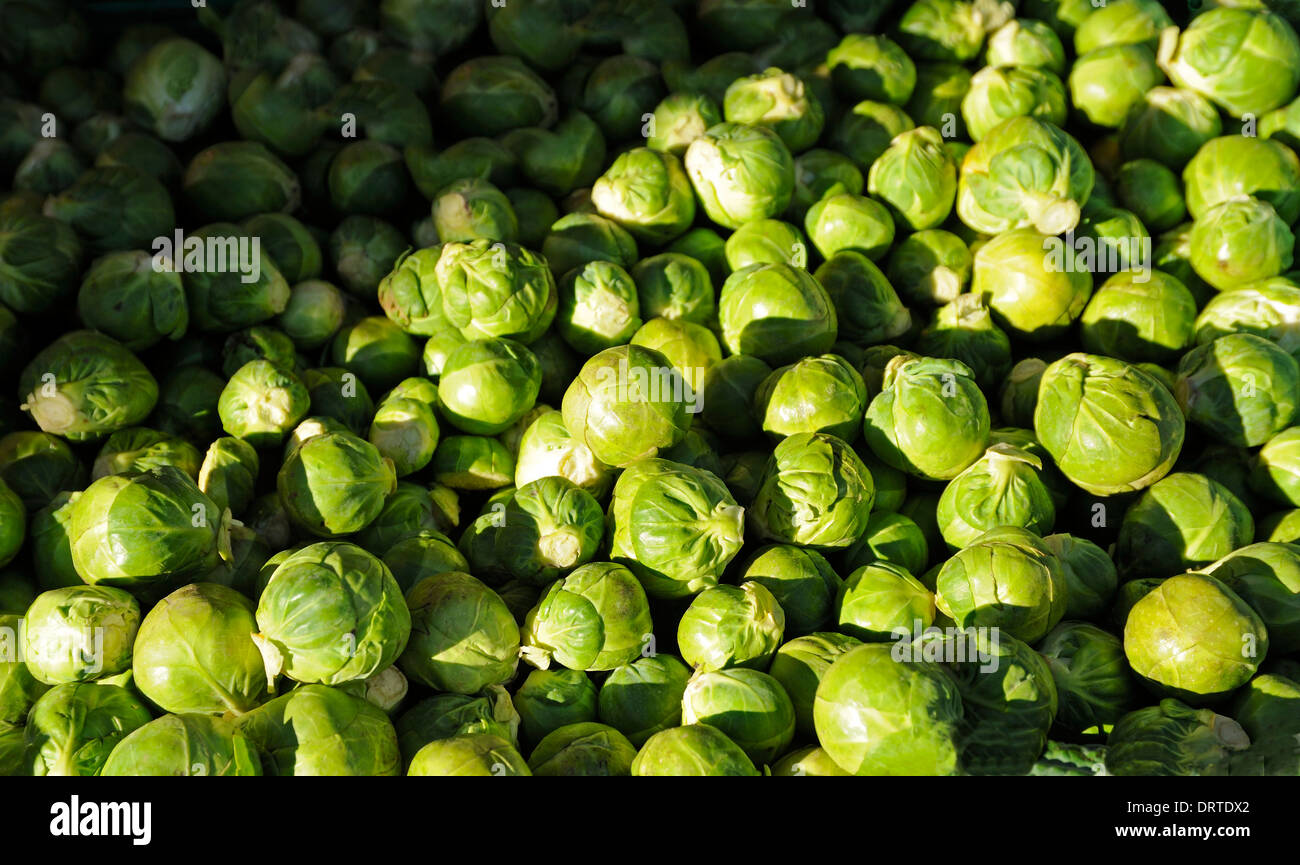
(314, 313)
(867, 308)
(195, 652)
(930, 267)
(19, 689)
(778, 101)
(775, 312)
(598, 307)
(680, 119)
(871, 67)
(1235, 165)
(463, 637)
(731, 626)
(335, 483)
(1152, 192)
(801, 580)
(1266, 308)
(1089, 573)
(140, 449)
(175, 89)
(1108, 240)
(617, 92)
(1194, 638)
(551, 699)
(691, 349)
(488, 384)
(819, 174)
(766, 241)
(993, 194)
(1139, 316)
(237, 179)
(810, 761)
(890, 537)
(411, 297)
(37, 466)
(468, 754)
(376, 350)
(964, 330)
(846, 222)
(472, 463)
(1000, 93)
(875, 715)
(864, 132)
(740, 173)
(749, 707)
(1247, 61)
(936, 100)
(319, 730)
(584, 749)
(1169, 125)
(647, 192)
(413, 510)
(405, 430)
(491, 95)
(331, 613)
(1240, 388)
(926, 402)
(548, 450)
(1002, 488)
(262, 402)
(1281, 527)
(495, 290)
(473, 208)
(916, 177)
(1093, 682)
(247, 291)
(1267, 577)
(1275, 473)
(691, 750)
(1173, 739)
(815, 491)
(644, 697)
(541, 532)
(676, 286)
(228, 474)
(1026, 42)
(114, 208)
(73, 728)
(1239, 241)
(1008, 579)
(816, 394)
(728, 394)
(79, 634)
(184, 745)
(881, 601)
(1109, 83)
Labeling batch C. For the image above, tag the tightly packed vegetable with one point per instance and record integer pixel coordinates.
(651, 387)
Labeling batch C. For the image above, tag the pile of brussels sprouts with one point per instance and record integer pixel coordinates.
(651, 387)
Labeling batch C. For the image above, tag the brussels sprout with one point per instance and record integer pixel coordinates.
(1267, 577)
(617, 92)
(879, 601)
(1132, 426)
(257, 343)
(363, 250)
(674, 286)
(801, 580)
(491, 95)
(775, 312)
(740, 173)
(245, 293)
(19, 689)
(1091, 674)
(469, 209)
(1266, 708)
(547, 450)
(313, 314)
(259, 181)
(799, 666)
(51, 544)
(1008, 579)
(845, 222)
(468, 754)
(1182, 521)
(472, 463)
(534, 211)
(1026, 42)
(598, 307)
(551, 699)
(175, 89)
(878, 716)
(917, 178)
(262, 402)
(936, 100)
(1281, 527)
(1139, 317)
(544, 530)
(749, 707)
(79, 634)
(890, 538)
(819, 174)
(184, 745)
(809, 761)
(1240, 388)
(41, 258)
(728, 394)
(1239, 241)
(49, 167)
(140, 449)
(1035, 286)
(1263, 308)
(560, 160)
(583, 749)
(1169, 125)
(14, 527)
(695, 750)
(871, 67)
(448, 715)
(195, 652)
(1089, 573)
(36, 466)
(1172, 739)
(376, 350)
(731, 626)
(644, 697)
(1276, 471)
(646, 191)
(335, 483)
(930, 267)
(488, 384)
(405, 431)
(284, 110)
(463, 637)
(964, 330)
(73, 728)
(778, 101)
(495, 290)
(579, 238)
(1234, 165)
(1002, 488)
(319, 730)
(829, 513)
(679, 119)
(766, 241)
(816, 394)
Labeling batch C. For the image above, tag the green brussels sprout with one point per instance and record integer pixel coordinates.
(377, 350)
(335, 484)
(411, 297)
(195, 652)
(1139, 317)
(495, 290)
(917, 178)
(728, 394)
(114, 208)
(319, 730)
(228, 299)
(947, 29)
(740, 173)
(993, 195)
(867, 309)
(1266, 708)
(339, 400)
(1153, 193)
(930, 267)
(472, 208)
(776, 312)
(492, 95)
(19, 689)
(579, 238)
(363, 249)
(964, 330)
(1173, 739)
(37, 466)
(463, 637)
(73, 728)
(560, 160)
(1258, 71)
(1131, 423)
(51, 543)
(1182, 521)
(1267, 577)
(830, 512)
(766, 241)
(1092, 677)
(1123, 22)
(79, 634)
(778, 101)
(468, 754)
(175, 89)
(871, 67)
(799, 666)
(184, 745)
(936, 100)
(412, 510)
(875, 715)
(820, 174)
(405, 431)
(40, 259)
(674, 286)
(584, 749)
(140, 449)
(284, 110)
(1193, 638)
(535, 213)
(882, 601)
(749, 707)
(1240, 388)
(1263, 308)
(617, 92)
(643, 697)
(444, 716)
(1000, 93)
(548, 450)
(313, 314)
(1169, 125)
(292, 246)
(598, 307)
(1026, 42)
(488, 384)
(625, 390)
(891, 538)
(49, 167)
(1238, 241)
(731, 626)
(1002, 488)
(545, 529)
(679, 119)
(1282, 527)
(1035, 286)
(259, 181)
(801, 580)
(547, 35)
(1234, 165)
(1008, 579)
(808, 761)
(428, 552)
(1090, 575)
(844, 222)
(647, 192)
(472, 463)
(485, 158)
(1108, 83)
(815, 394)
(1276, 470)
(926, 400)
(260, 342)
(262, 402)
(694, 750)
(551, 699)
(367, 177)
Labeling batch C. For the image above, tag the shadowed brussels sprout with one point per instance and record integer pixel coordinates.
(1110, 239)
(184, 745)
(930, 267)
(1267, 577)
(801, 580)
(1276, 470)
(617, 92)
(850, 222)
(1235, 165)
(13, 530)
(468, 754)
(778, 101)
(680, 119)
(578, 238)
(429, 552)
(257, 343)
(534, 211)
(362, 250)
(646, 191)
(262, 402)
(551, 699)
(37, 466)
(881, 601)
(776, 312)
(140, 449)
(1247, 61)
(1238, 241)
(1153, 193)
(73, 728)
(335, 484)
(247, 290)
(195, 652)
(319, 730)
(114, 208)
(50, 543)
(598, 307)
(675, 286)
(644, 697)
(1000, 93)
(488, 384)
(1089, 573)
(1169, 125)
(816, 394)
(367, 177)
(819, 174)
(1008, 579)
(1172, 739)
(1193, 638)
(175, 89)
(1023, 173)
(692, 750)
(1108, 83)
(1240, 388)
(412, 510)
(463, 637)
(867, 309)
(491, 95)
(740, 173)
(293, 247)
(376, 350)
(331, 613)
(729, 626)
(237, 179)
(1139, 316)
(283, 110)
(1002, 488)
(1266, 708)
(446, 715)
(125, 297)
(749, 707)
(936, 101)
(815, 491)
(926, 401)
(1266, 308)
(1182, 521)
(1109, 426)
(871, 67)
(469, 209)
(560, 160)
(39, 261)
(583, 749)
(890, 537)
(875, 715)
(1092, 677)
(964, 330)
(338, 399)
(79, 634)
(485, 158)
